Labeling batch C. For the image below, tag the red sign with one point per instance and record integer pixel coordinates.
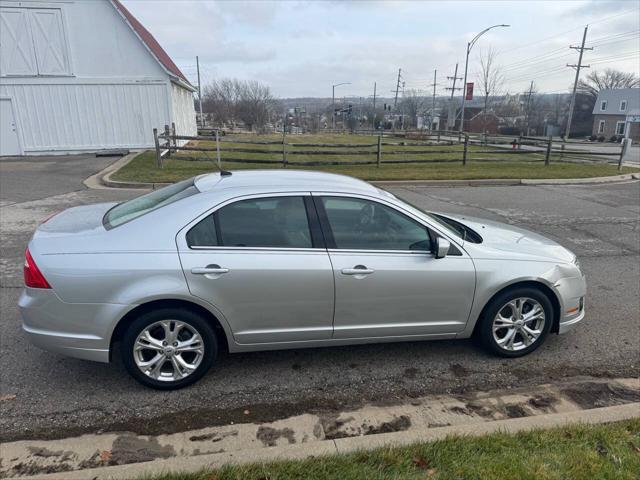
(469, 91)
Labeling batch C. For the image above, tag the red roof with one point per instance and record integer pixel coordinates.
(151, 43)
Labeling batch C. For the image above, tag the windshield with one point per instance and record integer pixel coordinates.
(127, 211)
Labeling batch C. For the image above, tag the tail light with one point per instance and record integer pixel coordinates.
(33, 277)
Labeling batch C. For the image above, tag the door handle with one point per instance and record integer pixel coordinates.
(209, 270)
(357, 270)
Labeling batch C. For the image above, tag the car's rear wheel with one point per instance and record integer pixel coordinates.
(516, 322)
(168, 348)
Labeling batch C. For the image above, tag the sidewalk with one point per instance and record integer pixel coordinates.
(127, 455)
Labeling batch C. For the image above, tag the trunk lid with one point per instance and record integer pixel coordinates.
(76, 229)
(85, 218)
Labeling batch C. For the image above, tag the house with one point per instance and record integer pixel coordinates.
(617, 112)
(481, 122)
(82, 76)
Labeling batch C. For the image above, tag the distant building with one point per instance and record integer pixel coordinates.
(82, 76)
(482, 122)
(617, 112)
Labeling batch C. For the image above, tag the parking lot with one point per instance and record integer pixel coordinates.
(56, 396)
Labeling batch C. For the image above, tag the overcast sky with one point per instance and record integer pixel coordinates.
(301, 48)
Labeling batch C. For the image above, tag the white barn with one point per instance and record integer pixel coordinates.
(83, 76)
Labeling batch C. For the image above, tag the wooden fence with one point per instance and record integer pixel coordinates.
(428, 143)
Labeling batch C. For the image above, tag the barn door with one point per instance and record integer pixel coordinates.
(9, 143)
(18, 55)
(49, 41)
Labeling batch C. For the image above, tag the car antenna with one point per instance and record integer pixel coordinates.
(223, 173)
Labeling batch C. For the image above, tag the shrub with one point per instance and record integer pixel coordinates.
(593, 138)
(601, 138)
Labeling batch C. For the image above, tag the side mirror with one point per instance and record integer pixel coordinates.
(442, 247)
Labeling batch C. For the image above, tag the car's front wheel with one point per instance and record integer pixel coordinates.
(168, 348)
(516, 322)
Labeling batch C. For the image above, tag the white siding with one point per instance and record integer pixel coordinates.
(183, 111)
(88, 116)
(81, 80)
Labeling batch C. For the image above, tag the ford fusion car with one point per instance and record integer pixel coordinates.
(257, 260)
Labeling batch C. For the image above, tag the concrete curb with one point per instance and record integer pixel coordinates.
(347, 445)
(507, 182)
(102, 180)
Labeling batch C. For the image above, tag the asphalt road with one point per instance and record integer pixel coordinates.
(57, 396)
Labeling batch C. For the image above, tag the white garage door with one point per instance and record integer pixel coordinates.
(9, 144)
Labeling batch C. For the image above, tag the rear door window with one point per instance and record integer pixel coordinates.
(275, 222)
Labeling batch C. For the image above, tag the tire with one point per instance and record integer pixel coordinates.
(522, 343)
(183, 343)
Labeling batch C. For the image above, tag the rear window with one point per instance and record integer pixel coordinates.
(127, 211)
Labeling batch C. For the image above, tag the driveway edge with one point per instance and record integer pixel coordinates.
(102, 180)
(347, 445)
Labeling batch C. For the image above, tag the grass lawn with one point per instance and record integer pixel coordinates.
(143, 169)
(600, 452)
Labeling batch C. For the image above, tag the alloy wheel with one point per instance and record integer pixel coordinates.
(168, 350)
(518, 324)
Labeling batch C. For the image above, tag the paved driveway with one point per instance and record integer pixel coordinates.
(57, 396)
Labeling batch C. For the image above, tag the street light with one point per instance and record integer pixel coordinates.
(466, 66)
(333, 103)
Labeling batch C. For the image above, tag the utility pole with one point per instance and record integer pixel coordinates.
(433, 102)
(374, 95)
(528, 108)
(581, 49)
(451, 117)
(199, 92)
(395, 101)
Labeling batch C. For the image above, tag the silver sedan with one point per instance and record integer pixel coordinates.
(257, 260)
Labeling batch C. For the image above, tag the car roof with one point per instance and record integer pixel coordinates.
(280, 179)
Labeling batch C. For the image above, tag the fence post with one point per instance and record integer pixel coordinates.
(465, 150)
(520, 142)
(167, 137)
(459, 133)
(379, 154)
(623, 151)
(438, 136)
(284, 145)
(218, 149)
(173, 134)
(562, 148)
(157, 143)
(548, 153)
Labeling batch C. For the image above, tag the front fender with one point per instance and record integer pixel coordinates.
(492, 277)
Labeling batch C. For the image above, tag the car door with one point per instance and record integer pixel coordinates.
(388, 283)
(262, 262)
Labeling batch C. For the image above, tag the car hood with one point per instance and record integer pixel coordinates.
(502, 238)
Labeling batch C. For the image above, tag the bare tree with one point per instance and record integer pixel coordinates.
(230, 100)
(255, 104)
(411, 105)
(490, 79)
(609, 78)
(220, 98)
